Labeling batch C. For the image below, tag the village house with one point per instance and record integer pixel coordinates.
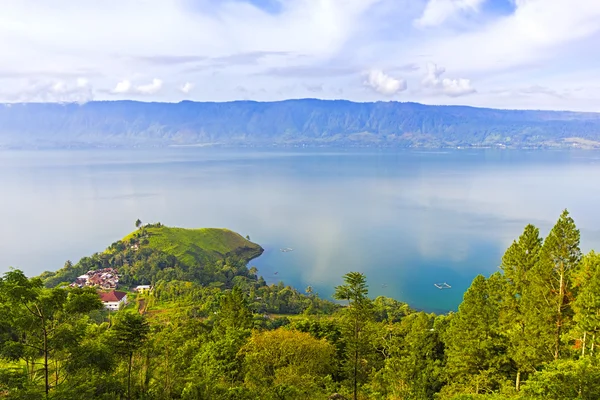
(112, 300)
(106, 278)
(143, 289)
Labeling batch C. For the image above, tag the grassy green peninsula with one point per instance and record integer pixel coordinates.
(171, 313)
(195, 245)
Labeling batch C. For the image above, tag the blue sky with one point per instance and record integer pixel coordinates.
(536, 54)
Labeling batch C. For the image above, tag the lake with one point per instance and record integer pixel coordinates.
(407, 219)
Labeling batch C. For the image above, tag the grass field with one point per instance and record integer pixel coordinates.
(200, 245)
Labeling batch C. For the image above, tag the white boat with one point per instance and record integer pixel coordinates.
(442, 285)
(286, 250)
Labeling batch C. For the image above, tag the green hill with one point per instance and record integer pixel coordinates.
(193, 246)
(156, 252)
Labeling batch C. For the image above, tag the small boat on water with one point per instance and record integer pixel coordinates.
(442, 285)
(286, 250)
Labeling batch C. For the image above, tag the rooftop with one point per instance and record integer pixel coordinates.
(111, 296)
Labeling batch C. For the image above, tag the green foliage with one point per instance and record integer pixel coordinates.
(215, 330)
(198, 246)
(475, 346)
(587, 304)
(565, 379)
(356, 320)
(287, 362)
(550, 301)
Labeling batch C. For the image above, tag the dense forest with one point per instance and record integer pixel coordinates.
(216, 330)
(309, 122)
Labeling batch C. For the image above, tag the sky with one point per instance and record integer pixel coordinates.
(516, 54)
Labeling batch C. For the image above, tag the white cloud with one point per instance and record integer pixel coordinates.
(186, 87)
(56, 92)
(223, 45)
(457, 87)
(150, 88)
(438, 11)
(432, 77)
(126, 87)
(537, 31)
(123, 87)
(82, 82)
(59, 87)
(449, 87)
(384, 84)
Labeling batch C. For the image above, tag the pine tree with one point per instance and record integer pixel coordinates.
(130, 331)
(587, 303)
(474, 346)
(235, 312)
(559, 258)
(357, 316)
(517, 264)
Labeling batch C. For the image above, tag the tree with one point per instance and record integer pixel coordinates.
(517, 263)
(287, 360)
(551, 295)
(40, 321)
(414, 355)
(357, 315)
(587, 303)
(138, 223)
(565, 379)
(475, 347)
(129, 331)
(234, 312)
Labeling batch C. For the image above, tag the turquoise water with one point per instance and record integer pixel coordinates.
(407, 219)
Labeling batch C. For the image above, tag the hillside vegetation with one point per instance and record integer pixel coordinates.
(530, 331)
(293, 122)
(155, 252)
(198, 245)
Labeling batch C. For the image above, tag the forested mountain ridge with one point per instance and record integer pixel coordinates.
(307, 122)
(529, 331)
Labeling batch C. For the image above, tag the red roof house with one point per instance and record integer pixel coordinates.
(113, 299)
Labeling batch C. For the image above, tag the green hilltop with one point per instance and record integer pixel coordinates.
(154, 251)
(196, 245)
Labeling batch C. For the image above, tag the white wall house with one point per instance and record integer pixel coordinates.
(142, 288)
(112, 300)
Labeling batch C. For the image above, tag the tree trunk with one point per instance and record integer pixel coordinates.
(355, 359)
(561, 295)
(518, 381)
(129, 376)
(355, 373)
(167, 374)
(593, 343)
(583, 344)
(55, 372)
(46, 377)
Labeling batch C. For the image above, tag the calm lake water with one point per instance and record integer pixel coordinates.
(407, 219)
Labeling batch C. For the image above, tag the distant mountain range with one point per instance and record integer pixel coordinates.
(306, 122)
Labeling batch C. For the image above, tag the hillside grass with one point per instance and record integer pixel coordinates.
(199, 245)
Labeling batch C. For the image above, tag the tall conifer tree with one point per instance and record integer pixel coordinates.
(475, 348)
(517, 264)
(551, 301)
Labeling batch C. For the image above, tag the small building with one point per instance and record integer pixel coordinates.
(143, 288)
(112, 300)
